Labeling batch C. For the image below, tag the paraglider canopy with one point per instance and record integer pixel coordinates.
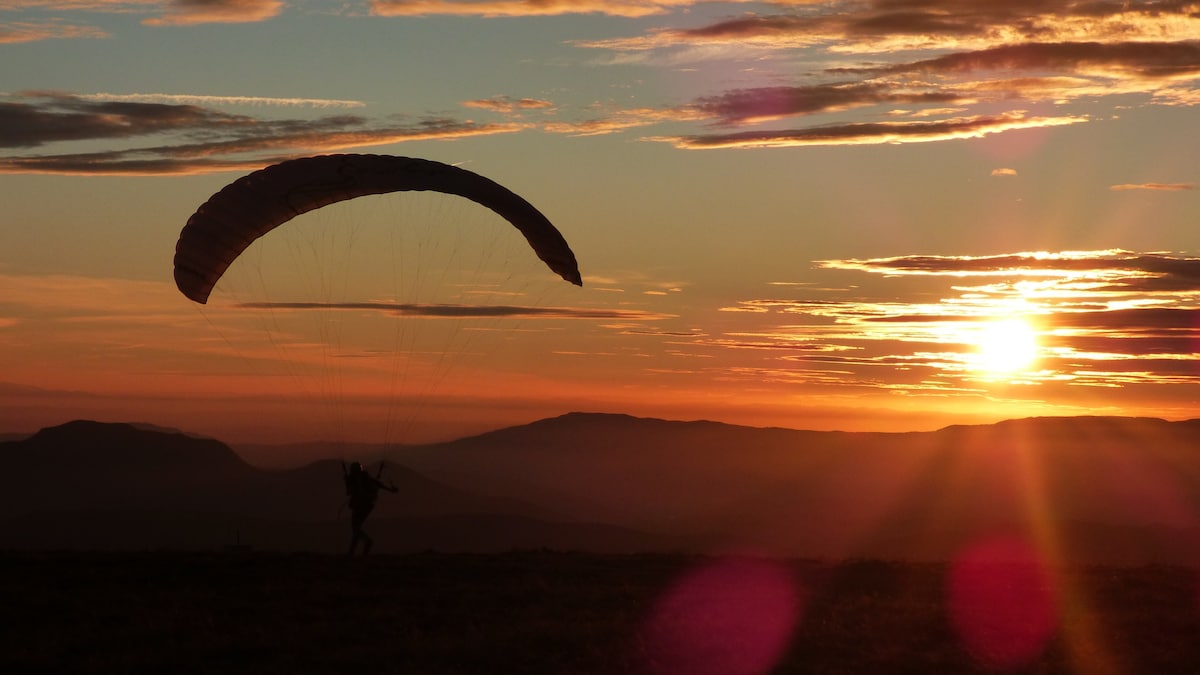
(246, 209)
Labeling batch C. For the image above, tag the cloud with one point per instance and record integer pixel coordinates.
(35, 31)
(1004, 172)
(1149, 60)
(466, 311)
(197, 139)
(163, 13)
(53, 117)
(508, 104)
(199, 99)
(512, 8)
(1109, 318)
(191, 12)
(771, 103)
(1160, 187)
(869, 133)
(882, 26)
(617, 121)
(863, 72)
(1148, 270)
(953, 64)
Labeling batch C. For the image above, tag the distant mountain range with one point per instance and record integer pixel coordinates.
(1083, 489)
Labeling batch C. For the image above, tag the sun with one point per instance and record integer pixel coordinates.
(1006, 346)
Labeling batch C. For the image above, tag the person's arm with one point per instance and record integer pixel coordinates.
(379, 479)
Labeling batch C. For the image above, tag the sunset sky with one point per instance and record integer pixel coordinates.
(858, 215)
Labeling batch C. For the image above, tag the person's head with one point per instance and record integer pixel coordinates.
(355, 467)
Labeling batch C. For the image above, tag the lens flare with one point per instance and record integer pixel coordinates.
(733, 616)
(1001, 602)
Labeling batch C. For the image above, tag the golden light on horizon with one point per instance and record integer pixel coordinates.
(1006, 346)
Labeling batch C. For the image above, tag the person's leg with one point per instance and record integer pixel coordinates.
(362, 534)
(357, 516)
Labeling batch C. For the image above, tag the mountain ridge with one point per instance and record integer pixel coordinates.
(1111, 489)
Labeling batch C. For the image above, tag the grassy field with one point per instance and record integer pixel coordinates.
(549, 612)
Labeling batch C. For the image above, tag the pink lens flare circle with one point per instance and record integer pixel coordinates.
(730, 616)
(1001, 602)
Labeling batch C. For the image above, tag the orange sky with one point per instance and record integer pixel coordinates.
(801, 214)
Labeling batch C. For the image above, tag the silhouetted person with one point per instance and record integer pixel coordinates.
(362, 489)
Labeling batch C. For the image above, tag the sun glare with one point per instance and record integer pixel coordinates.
(1006, 346)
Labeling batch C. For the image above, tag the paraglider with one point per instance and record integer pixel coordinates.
(257, 203)
(361, 349)
(357, 285)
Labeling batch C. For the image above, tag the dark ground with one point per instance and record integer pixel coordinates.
(549, 612)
